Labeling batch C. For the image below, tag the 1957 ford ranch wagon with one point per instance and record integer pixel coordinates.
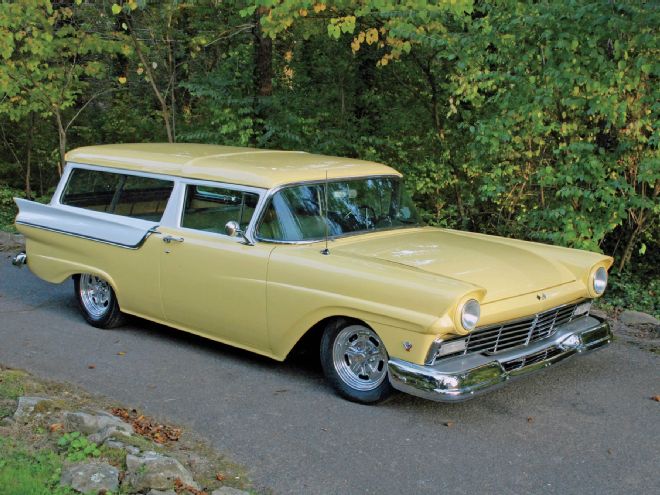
(258, 248)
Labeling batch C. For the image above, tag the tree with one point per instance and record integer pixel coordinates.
(50, 56)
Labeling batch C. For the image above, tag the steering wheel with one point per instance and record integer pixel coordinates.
(368, 221)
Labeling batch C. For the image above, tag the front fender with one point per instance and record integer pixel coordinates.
(400, 303)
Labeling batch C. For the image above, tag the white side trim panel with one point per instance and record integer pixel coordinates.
(122, 231)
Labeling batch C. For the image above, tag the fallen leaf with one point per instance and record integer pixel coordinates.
(121, 353)
(56, 427)
(91, 366)
(448, 424)
(656, 398)
(181, 487)
(145, 426)
(220, 477)
(530, 419)
(609, 451)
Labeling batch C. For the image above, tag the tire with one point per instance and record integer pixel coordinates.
(97, 301)
(354, 361)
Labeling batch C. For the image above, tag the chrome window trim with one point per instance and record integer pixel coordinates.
(70, 166)
(271, 192)
(181, 198)
(174, 210)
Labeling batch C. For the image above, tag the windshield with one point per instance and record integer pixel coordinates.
(298, 213)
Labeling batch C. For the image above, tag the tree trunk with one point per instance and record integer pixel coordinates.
(61, 132)
(28, 160)
(164, 110)
(263, 76)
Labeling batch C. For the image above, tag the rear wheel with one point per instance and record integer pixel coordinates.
(354, 361)
(97, 301)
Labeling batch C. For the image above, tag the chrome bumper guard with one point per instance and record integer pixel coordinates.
(463, 377)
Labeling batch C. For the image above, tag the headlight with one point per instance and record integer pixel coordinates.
(600, 280)
(470, 313)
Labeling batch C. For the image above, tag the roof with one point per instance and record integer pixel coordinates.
(233, 165)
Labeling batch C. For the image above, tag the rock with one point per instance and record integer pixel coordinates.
(114, 444)
(132, 449)
(629, 317)
(153, 470)
(6, 421)
(94, 423)
(228, 490)
(161, 492)
(110, 431)
(26, 406)
(598, 313)
(91, 477)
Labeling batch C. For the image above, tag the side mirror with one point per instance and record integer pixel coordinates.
(232, 229)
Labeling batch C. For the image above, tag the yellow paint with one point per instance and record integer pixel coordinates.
(406, 284)
(245, 166)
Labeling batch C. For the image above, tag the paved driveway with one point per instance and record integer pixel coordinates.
(585, 427)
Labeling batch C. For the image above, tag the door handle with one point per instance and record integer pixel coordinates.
(169, 238)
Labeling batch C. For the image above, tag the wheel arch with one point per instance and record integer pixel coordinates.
(403, 343)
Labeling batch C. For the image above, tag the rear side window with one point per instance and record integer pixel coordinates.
(210, 208)
(127, 195)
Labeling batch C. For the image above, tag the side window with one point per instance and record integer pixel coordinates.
(210, 208)
(91, 189)
(120, 194)
(143, 197)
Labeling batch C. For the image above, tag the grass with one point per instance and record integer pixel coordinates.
(23, 472)
(11, 384)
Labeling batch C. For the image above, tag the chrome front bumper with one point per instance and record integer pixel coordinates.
(463, 377)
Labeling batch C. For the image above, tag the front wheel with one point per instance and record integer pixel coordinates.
(97, 301)
(354, 361)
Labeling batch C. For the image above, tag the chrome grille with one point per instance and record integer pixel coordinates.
(519, 363)
(503, 336)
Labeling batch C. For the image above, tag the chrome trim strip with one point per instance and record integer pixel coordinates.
(463, 377)
(95, 239)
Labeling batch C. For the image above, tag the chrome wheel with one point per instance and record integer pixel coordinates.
(359, 358)
(95, 295)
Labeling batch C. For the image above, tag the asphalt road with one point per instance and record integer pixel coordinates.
(585, 427)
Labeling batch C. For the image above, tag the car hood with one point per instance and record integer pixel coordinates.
(504, 270)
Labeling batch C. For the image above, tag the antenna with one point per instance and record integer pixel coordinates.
(326, 251)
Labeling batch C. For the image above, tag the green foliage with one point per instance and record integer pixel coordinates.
(637, 288)
(77, 447)
(23, 472)
(8, 209)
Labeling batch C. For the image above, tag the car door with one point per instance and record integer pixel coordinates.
(213, 284)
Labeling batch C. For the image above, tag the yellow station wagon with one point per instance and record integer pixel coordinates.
(259, 248)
